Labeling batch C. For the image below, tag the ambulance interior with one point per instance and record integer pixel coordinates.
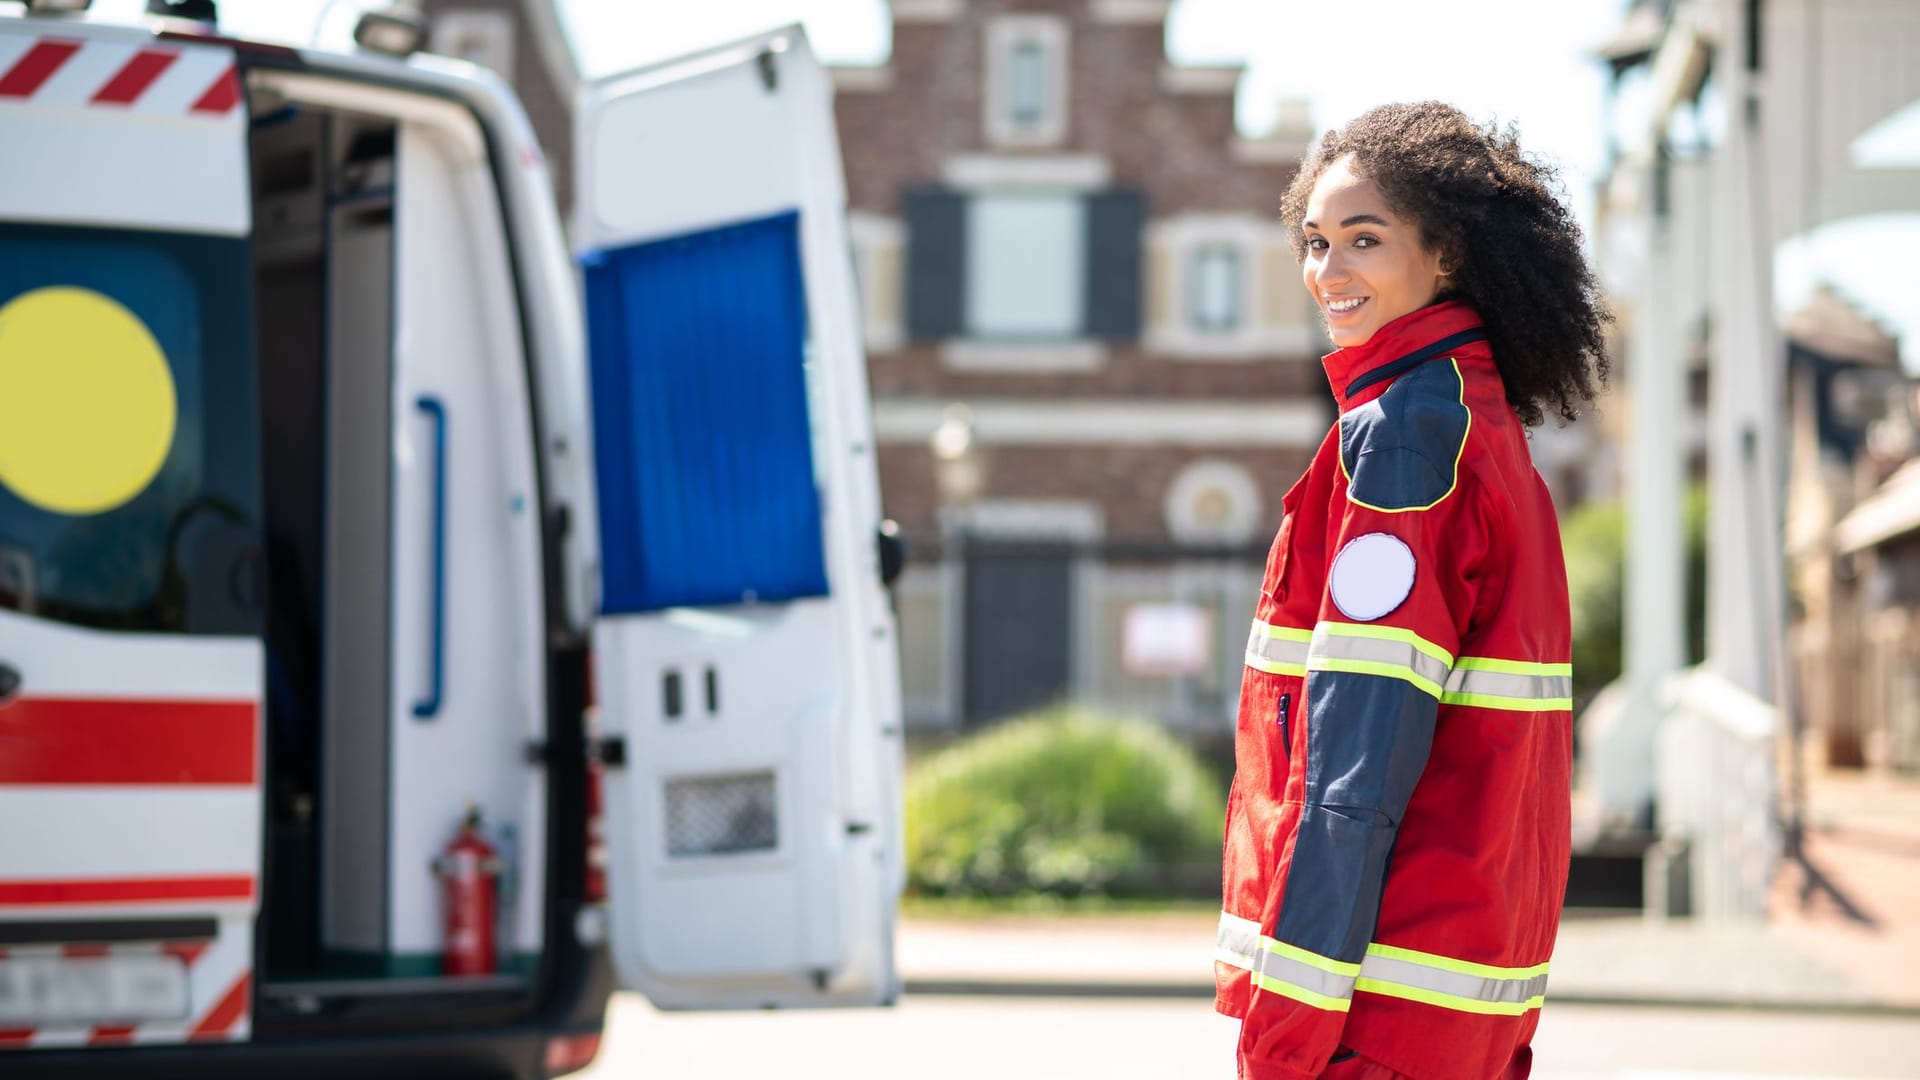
(392, 710)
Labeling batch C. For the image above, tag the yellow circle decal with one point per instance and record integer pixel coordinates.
(87, 404)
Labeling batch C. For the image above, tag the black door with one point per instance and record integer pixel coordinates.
(1018, 641)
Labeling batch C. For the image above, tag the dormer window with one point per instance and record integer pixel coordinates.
(1026, 85)
(1215, 289)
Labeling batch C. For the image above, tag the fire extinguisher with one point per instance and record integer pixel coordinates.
(470, 869)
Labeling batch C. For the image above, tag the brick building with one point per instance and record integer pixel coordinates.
(1061, 231)
(1072, 271)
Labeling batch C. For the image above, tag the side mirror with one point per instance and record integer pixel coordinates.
(893, 552)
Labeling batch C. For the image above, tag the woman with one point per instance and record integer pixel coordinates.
(1397, 834)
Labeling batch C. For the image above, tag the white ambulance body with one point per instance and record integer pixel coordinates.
(326, 475)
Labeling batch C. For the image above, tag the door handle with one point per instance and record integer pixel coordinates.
(429, 707)
(9, 684)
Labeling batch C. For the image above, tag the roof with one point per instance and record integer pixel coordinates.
(1838, 329)
(1892, 510)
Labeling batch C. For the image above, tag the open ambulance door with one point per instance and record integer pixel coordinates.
(745, 655)
(132, 674)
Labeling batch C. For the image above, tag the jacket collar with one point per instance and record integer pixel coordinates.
(1363, 372)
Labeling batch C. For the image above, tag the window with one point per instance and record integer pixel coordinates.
(1026, 86)
(151, 521)
(1026, 266)
(1213, 302)
(1016, 271)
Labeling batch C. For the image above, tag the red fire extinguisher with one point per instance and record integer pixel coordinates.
(470, 869)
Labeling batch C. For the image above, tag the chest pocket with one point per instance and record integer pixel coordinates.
(1274, 588)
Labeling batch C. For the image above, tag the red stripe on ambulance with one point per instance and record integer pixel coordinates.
(228, 887)
(126, 741)
(220, 1020)
(32, 70)
(222, 96)
(132, 80)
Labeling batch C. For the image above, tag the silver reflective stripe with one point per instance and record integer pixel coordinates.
(1372, 649)
(1305, 976)
(1277, 649)
(1238, 942)
(1452, 983)
(1505, 685)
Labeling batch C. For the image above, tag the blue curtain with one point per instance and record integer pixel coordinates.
(706, 479)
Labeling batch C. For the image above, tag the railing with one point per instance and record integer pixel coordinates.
(1716, 786)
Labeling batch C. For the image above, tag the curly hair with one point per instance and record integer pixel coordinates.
(1498, 222)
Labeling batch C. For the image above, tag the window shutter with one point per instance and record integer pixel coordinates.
(1115, 220)
(936, 263)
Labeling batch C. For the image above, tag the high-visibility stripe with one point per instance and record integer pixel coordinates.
(1514, 685)
(1389, 651)
(1278, 650)
(1461, 985)
(1238, 942)
(1287, 970)
(1325, 983)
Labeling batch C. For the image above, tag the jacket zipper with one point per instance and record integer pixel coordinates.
(1286, 729)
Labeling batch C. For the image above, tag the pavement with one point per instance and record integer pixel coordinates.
(1842, 935)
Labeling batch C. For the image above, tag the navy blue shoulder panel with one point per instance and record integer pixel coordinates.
(1401, 451)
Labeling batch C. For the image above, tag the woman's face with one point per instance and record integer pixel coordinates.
(1365, 265)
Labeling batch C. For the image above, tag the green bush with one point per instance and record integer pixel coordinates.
(1594, 541)
(1066, 802)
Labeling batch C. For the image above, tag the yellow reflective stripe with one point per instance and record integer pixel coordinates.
(1311, 959)
(1448, 963)
(1388, 651)
(1301, 994)
(1514, 685)
(1450, 1001)
(1278, 650)
(1490, 701)
(1511, 667)
(1386, 633)
(1375, 667)
(1461, 985)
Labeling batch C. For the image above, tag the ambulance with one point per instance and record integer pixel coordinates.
(367, 550)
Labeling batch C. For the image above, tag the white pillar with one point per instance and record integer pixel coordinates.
(1655, 606)
(1745, 578)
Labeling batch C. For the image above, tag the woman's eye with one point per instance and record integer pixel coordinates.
(1366, 242)
(1316, 243)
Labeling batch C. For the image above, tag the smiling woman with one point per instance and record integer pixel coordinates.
(1397, 836)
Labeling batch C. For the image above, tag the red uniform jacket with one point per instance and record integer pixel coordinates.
(1398, 831)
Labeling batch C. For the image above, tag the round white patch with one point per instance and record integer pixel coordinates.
(1371, 576)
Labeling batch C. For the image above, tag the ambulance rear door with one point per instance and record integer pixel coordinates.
(131, 665)
(744, 649)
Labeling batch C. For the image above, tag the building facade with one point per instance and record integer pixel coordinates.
(1094, 368)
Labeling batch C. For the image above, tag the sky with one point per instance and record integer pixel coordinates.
(1529, 64)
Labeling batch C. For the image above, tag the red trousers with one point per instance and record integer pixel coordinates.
(1346, 1065)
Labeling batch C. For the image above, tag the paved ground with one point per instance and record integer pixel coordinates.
(1843, 935)
(1011, 1038)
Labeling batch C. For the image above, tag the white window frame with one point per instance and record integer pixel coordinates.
(1173, 245)
(1195, 301)
(879, 247)
(1005, 35)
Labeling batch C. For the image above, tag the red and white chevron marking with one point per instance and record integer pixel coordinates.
(219, 988)
(146, 79)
